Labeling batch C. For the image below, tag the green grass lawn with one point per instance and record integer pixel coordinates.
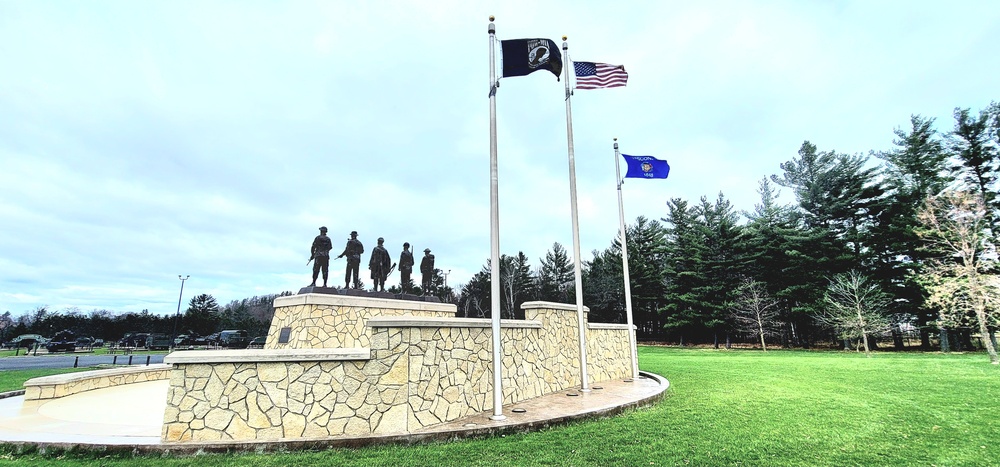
(780, 408)
(14, 380)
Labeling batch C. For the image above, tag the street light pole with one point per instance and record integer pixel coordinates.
(178, 316)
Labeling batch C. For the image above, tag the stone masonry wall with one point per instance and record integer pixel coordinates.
(338, 321)
(421, 372)
(55, 386)
(287, 399)
(609, 354)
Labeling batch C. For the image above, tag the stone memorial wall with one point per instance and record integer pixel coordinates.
(416, 371)
(313, 321)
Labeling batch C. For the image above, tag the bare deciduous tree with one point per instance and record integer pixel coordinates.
(855, 307)
(754, 310)
(962, 284)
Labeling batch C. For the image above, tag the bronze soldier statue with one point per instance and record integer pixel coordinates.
(405, 267)
(353, 251)
(379, 264)
(427, 269)
(321, 254)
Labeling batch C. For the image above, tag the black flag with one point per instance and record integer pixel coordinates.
(525, 56)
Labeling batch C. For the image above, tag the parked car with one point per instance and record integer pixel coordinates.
(98, 343)
(62, 341)
(25, 340)
(157, 341)
(234, 339)
(257, 342)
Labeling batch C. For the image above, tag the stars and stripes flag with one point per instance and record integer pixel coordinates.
(590, 75)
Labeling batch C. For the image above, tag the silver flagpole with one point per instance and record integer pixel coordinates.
(628, 283)
(495, 238)
(567, 64)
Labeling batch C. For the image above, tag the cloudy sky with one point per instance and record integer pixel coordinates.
(142, 140)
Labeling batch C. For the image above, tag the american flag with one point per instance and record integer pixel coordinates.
(590, 75)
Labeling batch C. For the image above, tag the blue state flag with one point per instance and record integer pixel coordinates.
(646, 167)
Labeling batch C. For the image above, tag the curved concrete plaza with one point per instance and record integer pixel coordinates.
(131, 417)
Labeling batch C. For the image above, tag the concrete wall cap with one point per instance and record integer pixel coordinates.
(611, 326)
(94, 374)
(552, 306)
(266, 355)
(363, 302)
(427, 322)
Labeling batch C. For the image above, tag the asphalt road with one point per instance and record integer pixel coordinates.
(27, 362)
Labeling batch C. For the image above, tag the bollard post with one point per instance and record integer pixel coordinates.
(130, 360)
(76, 362)
(147, 360)
(114, 361)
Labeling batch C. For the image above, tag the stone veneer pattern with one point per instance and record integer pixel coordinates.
(607, 347)
(419, 375)
(52, 387)
(334, 321)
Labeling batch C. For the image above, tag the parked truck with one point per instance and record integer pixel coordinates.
(234, 339)
(157, 341)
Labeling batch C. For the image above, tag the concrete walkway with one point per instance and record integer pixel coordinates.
(129, 417)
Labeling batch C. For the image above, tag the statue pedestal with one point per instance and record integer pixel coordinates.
(316, 289)
(368, 294)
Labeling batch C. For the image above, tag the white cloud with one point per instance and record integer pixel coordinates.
(143, 141)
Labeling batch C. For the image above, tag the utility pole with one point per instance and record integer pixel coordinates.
(178, 316)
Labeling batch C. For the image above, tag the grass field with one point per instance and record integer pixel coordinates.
(14, 380)
(780, 408)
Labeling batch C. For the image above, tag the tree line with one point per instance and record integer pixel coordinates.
(870, 249)
(202, 317)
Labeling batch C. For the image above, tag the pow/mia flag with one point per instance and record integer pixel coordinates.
(526, 56)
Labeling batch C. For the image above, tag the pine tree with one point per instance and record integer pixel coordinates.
(202, 315)
(604, 287)
(647, 254)
(976, 153)
(686, 247)
(555, 277)
(724, 248)
(914, 170)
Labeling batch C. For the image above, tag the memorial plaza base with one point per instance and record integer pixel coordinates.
(350, 370)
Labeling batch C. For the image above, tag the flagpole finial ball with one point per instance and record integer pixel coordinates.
(616, 139)
(491, 18)
(564, 37)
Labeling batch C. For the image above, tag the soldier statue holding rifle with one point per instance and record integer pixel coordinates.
(321, 247)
